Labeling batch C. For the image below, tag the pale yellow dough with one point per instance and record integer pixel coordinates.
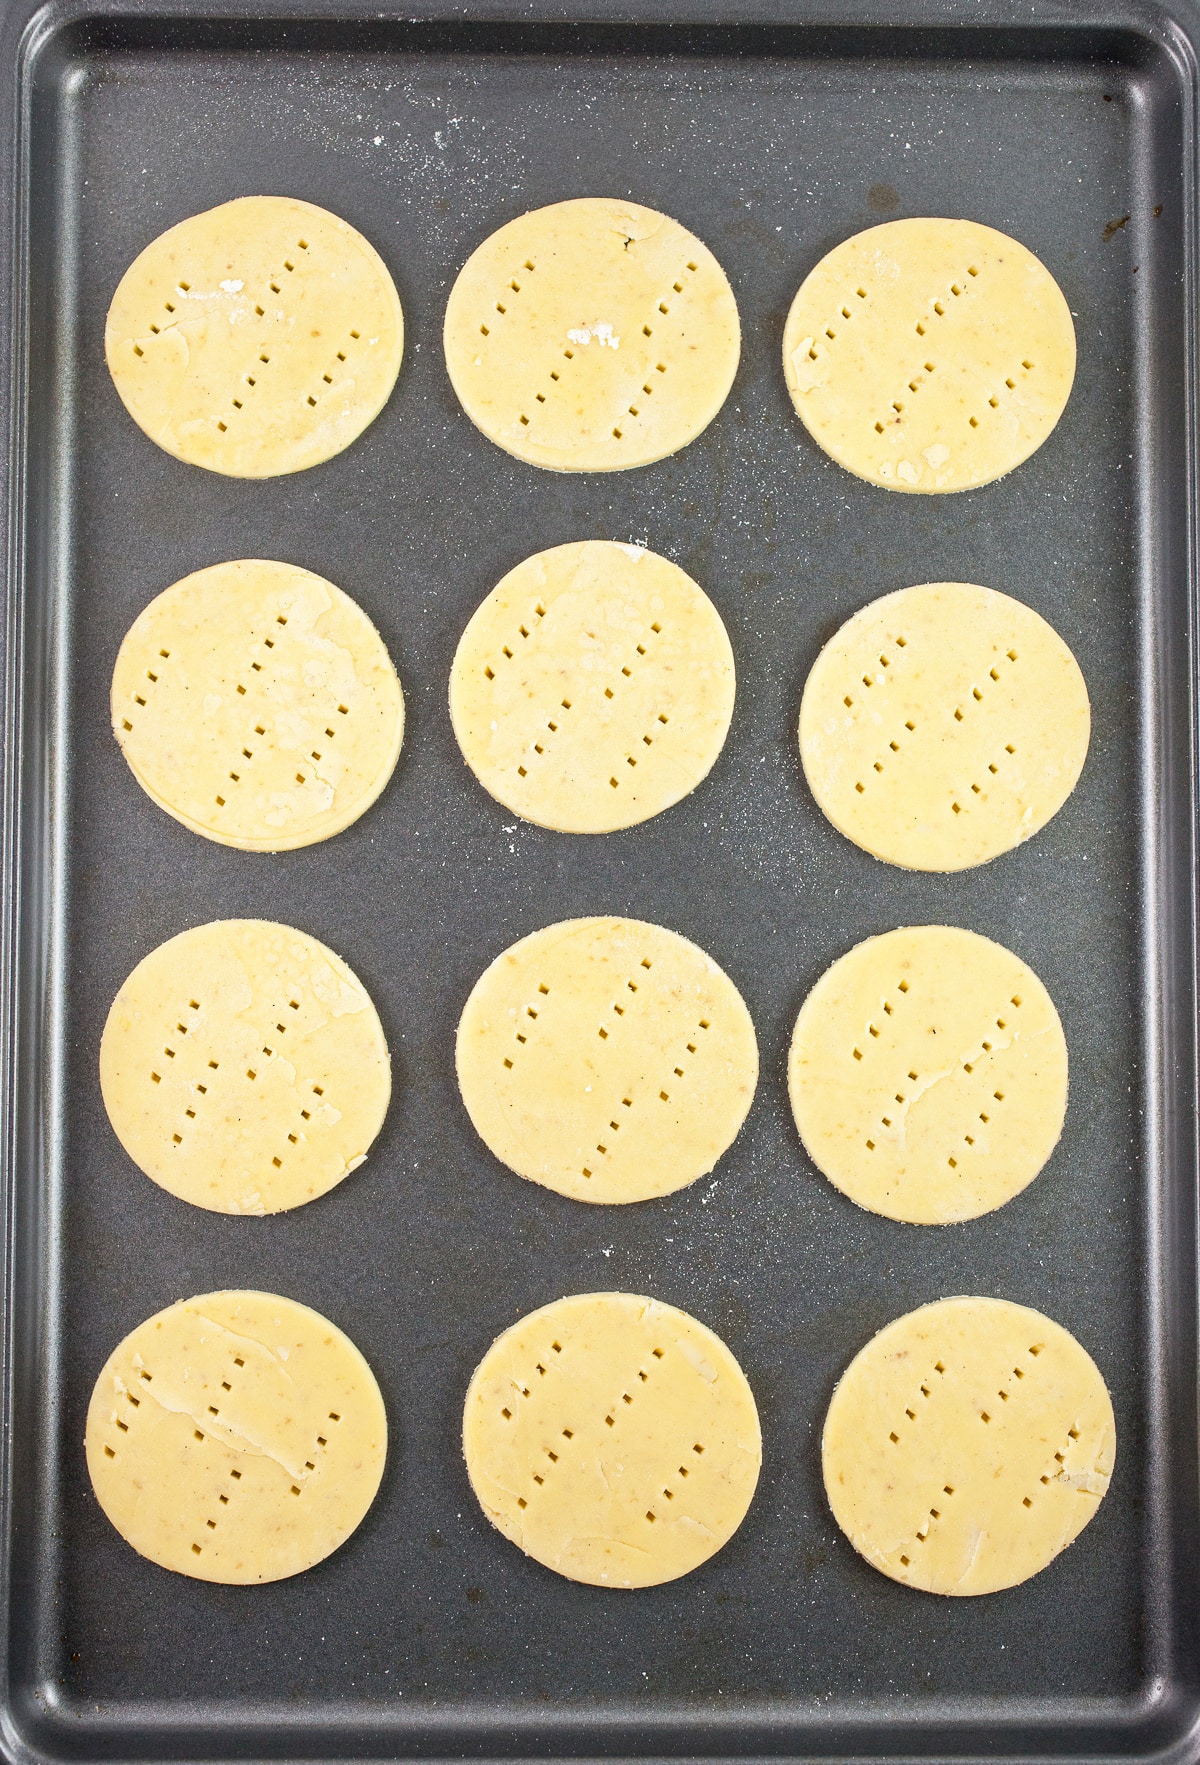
(256, 703)
(236, 1437)
(929, 355)
(244, 1068)
(967, 1445)
(607, 1058)
(592, 336)
(593, 687)
(257, 338)
(613, 1438)
(928, 1074)
(943, 725)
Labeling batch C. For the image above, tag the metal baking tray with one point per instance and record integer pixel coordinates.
(774, 129)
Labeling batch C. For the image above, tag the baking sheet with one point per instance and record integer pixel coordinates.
(427, 1634)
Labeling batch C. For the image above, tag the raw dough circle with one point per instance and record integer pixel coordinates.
(943, 725)
(592, 336)
(236, 1437)
(257, 338)
(606, 1058)
(244, 1068)
(593, 687)
(967, 1445)
(928, 1075)
(613, 1438)
(256, 703)
(929, 355)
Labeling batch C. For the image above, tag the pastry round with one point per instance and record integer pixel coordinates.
(943, 725)
(236, 1437)
(244, 1068)
(928, 1074)
(592, 336)
(593, 688)
(257, 338)
(929, 355)
(613, 1438)
(256, 703)
(967, 1445)
(607, 1058)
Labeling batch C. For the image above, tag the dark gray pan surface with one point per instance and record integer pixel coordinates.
(428, 1633)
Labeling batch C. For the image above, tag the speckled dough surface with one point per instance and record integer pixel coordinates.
(256, 703)
(967, 1445)
(942, 725)
(593, 687)
(613, 1438)
(928, 1074)
(606, 1058)
(244, 1068)
(236, 1437)
(257, 338)
(929, 355)
(591, 336)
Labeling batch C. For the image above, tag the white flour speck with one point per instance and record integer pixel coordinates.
(602, 331)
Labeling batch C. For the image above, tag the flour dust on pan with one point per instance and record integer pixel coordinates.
(613, 1438)
(929, 355)
(592, 336)
(237, 1437)
(244, 1067)
(257, 338)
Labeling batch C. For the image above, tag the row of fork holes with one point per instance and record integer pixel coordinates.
(251, 380)
(956, 289)
(185, 288)
(956, 808)
(870, 680)
(661, 718)
(847, 313)
(914, 385)
(569, 354)
(972, 422)
(552, 726)
(873, 1030)
(610, 1421)
(294, 1489)
(139, 698)
(198, 1434)
(251, 1074)
(967, 1066)
(259, 729)
(984, 1416)
(530, 1017)
(531, 1014)
(663, 1096)
(939, 1367)
(522, 1035)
